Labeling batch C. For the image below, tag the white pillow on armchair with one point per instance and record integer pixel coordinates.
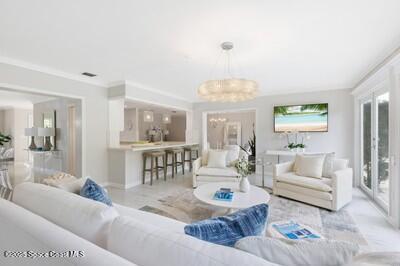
(216, 158)
(310, 166)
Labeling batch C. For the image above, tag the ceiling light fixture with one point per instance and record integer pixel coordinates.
(229, 89)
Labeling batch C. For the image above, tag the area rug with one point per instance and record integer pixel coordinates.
(183, 206)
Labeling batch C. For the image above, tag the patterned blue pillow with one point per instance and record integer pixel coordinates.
(93, 191)
(226, 230)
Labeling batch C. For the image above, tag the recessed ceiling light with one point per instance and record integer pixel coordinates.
(89, 74)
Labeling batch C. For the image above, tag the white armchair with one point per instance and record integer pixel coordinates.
(330, 192)
(203, 174)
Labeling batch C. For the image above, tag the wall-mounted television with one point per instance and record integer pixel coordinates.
(302, 118)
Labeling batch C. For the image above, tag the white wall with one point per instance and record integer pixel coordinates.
(2, 121)
(94, 110)
(62, 140)
(339, 138)
(130, 132)
(13, 122)
(20, 141)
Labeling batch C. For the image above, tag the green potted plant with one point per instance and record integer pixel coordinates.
(4, 139)
(252, 153)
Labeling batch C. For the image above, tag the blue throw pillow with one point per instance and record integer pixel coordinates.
(226, 230)
(93, 191)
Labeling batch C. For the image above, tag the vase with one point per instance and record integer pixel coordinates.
(244, 185)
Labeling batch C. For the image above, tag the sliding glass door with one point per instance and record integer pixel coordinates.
(382, 148)
(366, 154)
(375, 147)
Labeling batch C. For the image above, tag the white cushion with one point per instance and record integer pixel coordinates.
(22, 230)
(305, 191)
(74, 186)
(208, 171)
(340, 164)
(232, 154)
(327, 169)
(54, 182)
(84, 217)
(323, 184)
(217, 158)
(310, 166)
(205, 179)
(299, 252)
(204, 157)
(146, 244)
(151, 218)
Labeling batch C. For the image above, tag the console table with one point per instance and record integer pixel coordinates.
(280, 153)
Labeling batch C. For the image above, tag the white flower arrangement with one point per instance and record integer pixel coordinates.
(243, 167)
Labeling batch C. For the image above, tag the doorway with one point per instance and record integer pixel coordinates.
(375, 175)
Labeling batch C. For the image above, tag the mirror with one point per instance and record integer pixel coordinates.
(49, 121)
(233, 133)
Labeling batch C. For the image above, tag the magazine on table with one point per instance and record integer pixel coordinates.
(224, 194)
(293, 230)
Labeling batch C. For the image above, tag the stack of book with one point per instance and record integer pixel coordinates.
(224, 194)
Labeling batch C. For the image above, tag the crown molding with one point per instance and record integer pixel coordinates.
(391, 60)
(51, 71)
(147, 88)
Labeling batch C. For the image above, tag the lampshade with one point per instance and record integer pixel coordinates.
(31, 131)
(148, 116)
(166, 118)
(46, 131)
(228, 89)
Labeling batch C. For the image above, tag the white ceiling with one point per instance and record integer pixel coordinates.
(285, 45)
(11, 99)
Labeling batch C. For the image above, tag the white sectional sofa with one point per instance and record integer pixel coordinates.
(119, 233)
(330, 192)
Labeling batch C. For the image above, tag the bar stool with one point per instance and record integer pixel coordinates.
(191, 150)
(154, 166)
(175, 162)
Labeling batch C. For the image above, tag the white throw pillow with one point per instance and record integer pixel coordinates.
(327, 170)
(232, 154)
(299, 252)
(74, 186)
(217, 158)
(310, 166)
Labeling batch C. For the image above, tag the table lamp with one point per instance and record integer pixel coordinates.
(32, 132)
(47, 133)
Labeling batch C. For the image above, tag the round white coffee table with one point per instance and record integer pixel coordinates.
(256, 195)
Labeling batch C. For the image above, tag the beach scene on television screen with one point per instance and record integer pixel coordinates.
(307, 117)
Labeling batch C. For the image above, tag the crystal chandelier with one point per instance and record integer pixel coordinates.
(229, 89)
